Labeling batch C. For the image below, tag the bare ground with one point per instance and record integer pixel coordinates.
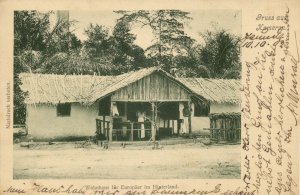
(180, 161)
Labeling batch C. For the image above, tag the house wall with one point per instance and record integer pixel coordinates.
(224, 107)
(42, 121)
(199, 123)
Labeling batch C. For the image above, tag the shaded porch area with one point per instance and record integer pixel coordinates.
(144, 121)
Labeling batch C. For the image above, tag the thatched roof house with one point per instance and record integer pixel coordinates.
(179, 104)
(50, 88)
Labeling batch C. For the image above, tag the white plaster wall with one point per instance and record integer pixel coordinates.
(199, 123)
(42, 121)
(224, 107)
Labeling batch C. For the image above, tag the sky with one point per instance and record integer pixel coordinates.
(230, 20)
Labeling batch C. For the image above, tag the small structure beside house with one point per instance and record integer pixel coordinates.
(225, 127)
(138, 105)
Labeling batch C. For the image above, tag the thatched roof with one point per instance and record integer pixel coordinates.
(50, 88)
(47, 88)
(214, 90)
(224, 115)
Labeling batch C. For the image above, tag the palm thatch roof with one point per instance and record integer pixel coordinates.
(49, 88)
(223, 115)
(214, 90)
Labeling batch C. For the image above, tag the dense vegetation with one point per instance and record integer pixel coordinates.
(43, 48)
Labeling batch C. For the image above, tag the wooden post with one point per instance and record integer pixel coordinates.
(111, 121)
(173, 129)
(139, 131)
(124, 128)
(190, 117)
(178, 126)
(131, 132)
(125, 108)
(155, 119)
(153, 131)
(104, 129)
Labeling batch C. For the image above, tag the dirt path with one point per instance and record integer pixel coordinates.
(171, 162)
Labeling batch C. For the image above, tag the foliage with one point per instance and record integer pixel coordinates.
(30, 31)
(19, 96)
(63, 63)
(65, 42)
(114, 53)
(127, 52)
(34, 44)
(42, 48)
(221, 54)
(97, 44)
(167, 26)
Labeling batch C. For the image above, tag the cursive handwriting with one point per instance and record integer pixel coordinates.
(15, 190)
(270, 106)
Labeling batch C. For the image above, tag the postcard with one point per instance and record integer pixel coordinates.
(149, 97)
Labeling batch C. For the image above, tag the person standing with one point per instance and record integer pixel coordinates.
(141, 118)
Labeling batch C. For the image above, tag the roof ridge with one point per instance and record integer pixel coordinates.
(208, 78)
(66, 88)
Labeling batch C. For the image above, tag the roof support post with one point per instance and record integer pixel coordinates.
(111, 121)
(190, 117)
(104, 129)
(26, 119)
(131, 131)
(125, 108)
(153, 130)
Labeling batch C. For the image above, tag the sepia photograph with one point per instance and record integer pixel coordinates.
(152, 97)
(127, 94)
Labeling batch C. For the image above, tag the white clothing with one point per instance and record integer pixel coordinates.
(141, 118)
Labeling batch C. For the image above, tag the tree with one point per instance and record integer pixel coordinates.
(102, 49)
(221, 54)
(98, 41)
(127, 52)
(116, 53)
(167, 26)
(34, 44)
(188, 66)
(66, 42)
(30, 33)
(19, 96)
